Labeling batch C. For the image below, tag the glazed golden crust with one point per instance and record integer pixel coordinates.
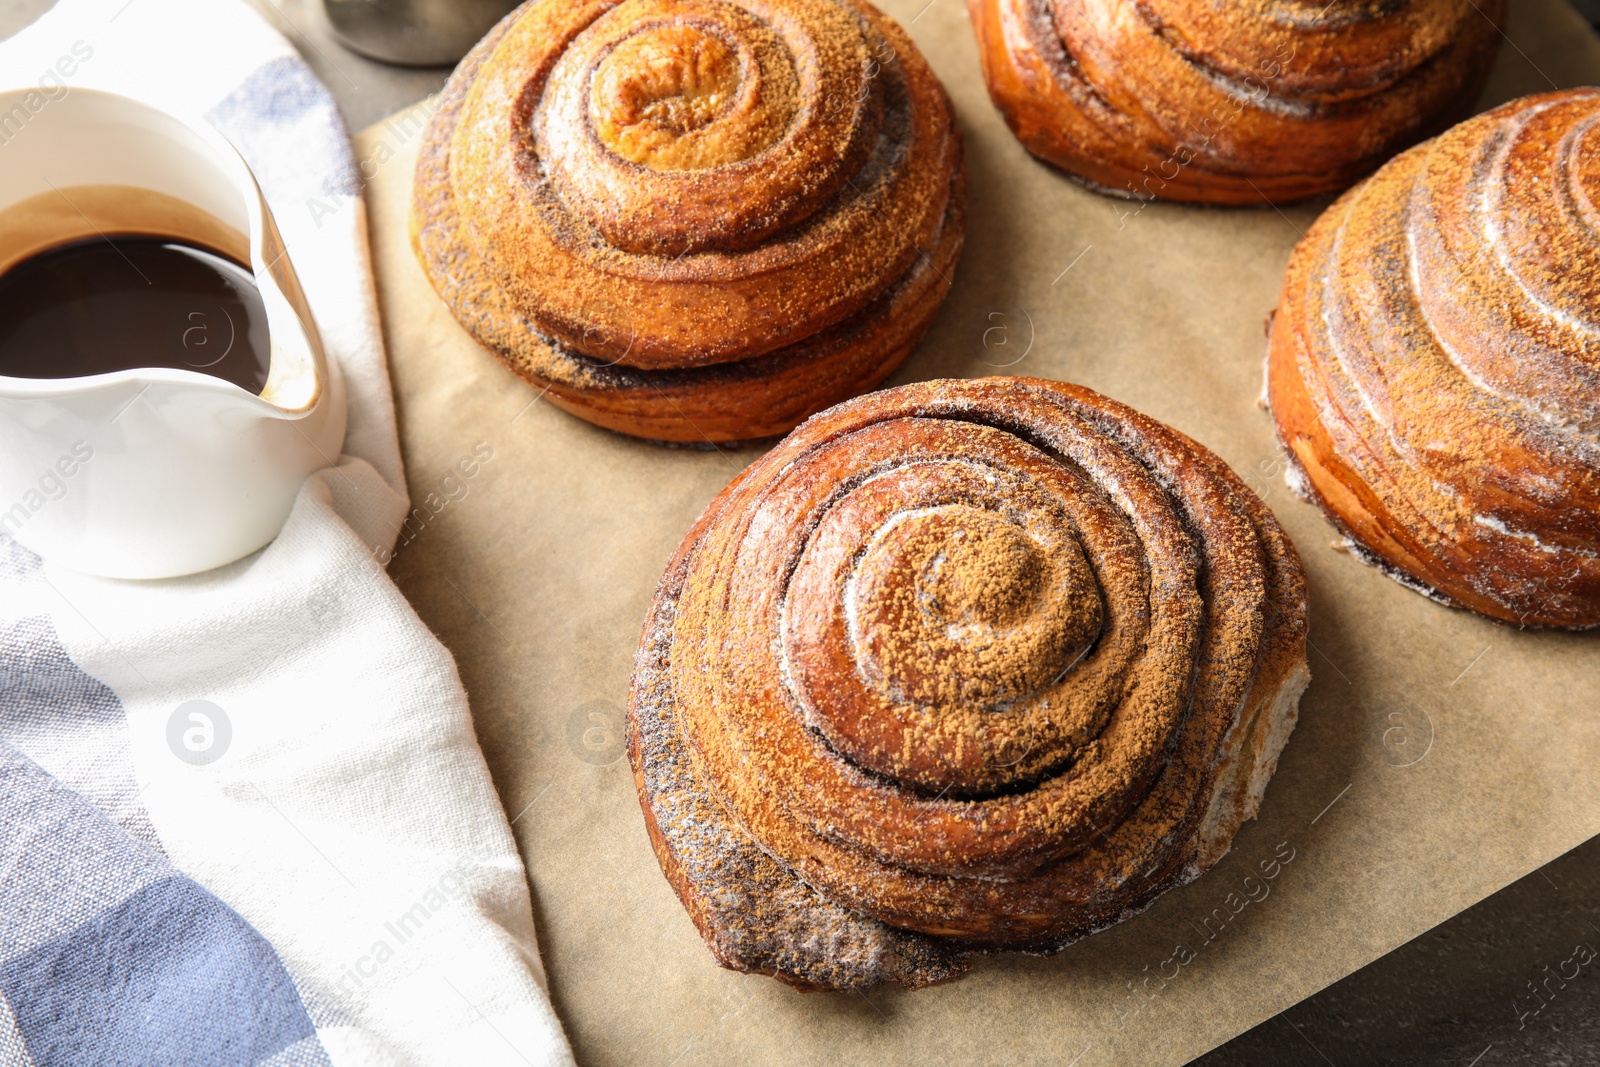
(1435, 363)
(965, 665)
(1233, 103)
(698, 220)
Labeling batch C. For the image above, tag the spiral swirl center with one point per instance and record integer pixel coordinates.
(678, 97)
(957, 603)
(977, 582)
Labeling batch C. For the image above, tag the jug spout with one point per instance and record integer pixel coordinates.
(299, 375)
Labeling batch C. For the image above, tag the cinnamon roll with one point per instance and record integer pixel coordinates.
(1435, 364)
(1232, 103)
(693, 220)
(960, 666)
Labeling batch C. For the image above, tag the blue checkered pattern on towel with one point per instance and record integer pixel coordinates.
(109, 956)
(156, 911)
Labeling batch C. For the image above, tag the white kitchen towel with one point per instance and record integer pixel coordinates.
(244, 818)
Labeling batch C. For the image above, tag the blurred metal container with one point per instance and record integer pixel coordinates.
(414, 33)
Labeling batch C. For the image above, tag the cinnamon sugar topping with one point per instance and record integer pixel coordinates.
(966, 661)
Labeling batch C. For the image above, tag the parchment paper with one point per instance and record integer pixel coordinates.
(1439, 756)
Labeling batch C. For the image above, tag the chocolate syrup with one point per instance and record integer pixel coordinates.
(126, 302)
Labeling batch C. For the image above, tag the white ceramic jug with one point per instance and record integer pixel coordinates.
(152, 473)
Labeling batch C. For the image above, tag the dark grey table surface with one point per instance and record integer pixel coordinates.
(1458, 995)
